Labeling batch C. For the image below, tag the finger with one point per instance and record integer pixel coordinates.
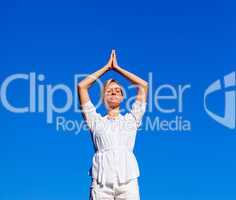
(114, 58)
(113, 53)
(110, 59)
(111, 56)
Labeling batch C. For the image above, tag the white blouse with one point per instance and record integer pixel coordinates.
(114, 141)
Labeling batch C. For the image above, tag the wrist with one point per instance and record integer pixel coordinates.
(117, 68)
(106, 68)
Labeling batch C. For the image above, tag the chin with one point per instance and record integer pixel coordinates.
(113, 104)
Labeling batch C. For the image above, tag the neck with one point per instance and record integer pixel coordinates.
(113, 112)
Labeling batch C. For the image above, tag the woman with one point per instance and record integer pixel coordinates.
(115, 170)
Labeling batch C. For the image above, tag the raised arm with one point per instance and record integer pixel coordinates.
(85, 84)
(141, 84)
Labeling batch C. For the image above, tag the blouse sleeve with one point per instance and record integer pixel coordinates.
(137, 111)
(91, 116)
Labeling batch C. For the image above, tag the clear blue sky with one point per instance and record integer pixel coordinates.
(181, 42)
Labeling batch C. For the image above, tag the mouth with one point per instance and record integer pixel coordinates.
(114, 96)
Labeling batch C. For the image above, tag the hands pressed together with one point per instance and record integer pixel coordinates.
(112, 65)
(112, 62)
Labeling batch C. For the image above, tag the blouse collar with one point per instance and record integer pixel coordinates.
(117, 118)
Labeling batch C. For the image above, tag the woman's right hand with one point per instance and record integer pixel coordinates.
(109, 64)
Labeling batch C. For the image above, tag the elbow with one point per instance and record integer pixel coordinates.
(81, 85)
(145, 85)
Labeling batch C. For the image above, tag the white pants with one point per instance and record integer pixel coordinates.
(115, 191)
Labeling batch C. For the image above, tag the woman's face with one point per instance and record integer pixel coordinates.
(113, 95)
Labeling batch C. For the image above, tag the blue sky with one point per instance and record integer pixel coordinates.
(180, 42)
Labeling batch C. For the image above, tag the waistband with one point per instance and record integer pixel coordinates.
(114, 148)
